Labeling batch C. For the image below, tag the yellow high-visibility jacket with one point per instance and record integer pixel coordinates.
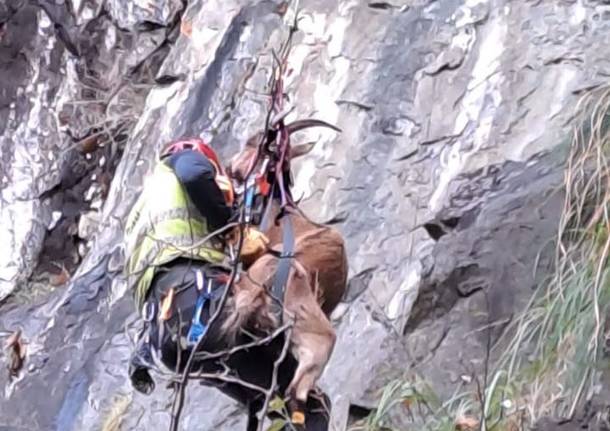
(162, 226)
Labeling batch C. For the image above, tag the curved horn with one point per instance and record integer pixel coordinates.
(280, 116)
(305, 124)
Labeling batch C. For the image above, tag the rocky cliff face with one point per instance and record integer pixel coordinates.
(455, 116)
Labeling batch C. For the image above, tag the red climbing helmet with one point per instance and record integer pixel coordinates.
(196, 144)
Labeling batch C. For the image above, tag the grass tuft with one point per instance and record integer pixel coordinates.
(554, 356)
(116, 413)
(552, 360)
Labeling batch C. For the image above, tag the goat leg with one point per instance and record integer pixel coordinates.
(312, 350)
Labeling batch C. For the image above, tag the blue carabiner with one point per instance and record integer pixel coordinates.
(249, 201)
(197, 329)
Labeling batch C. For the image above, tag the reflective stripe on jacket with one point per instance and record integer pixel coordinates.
(162, 226)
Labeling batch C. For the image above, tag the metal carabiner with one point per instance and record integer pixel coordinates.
(148, 311)
(200, 279)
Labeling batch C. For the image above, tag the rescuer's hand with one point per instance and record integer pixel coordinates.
(254, 245)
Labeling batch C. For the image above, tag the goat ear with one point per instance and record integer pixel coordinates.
(301, 149)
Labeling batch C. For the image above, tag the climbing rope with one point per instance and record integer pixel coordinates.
(278, 170)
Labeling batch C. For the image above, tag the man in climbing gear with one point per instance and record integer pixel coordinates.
(176, 275)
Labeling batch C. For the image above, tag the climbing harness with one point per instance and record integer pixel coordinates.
(198, 328)
(260, 195)
(285, 262)
(271, 182)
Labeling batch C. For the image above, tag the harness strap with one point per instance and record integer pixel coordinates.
(283, 267)
(267, 211)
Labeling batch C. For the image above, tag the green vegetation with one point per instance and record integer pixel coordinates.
(461, 412)
(554, 352)
(116, 413)
(554, 357)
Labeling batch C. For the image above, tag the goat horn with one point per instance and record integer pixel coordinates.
(305, 124)
(281, 115)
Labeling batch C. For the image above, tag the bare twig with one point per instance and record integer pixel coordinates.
(272, 388)
(225, 376)
(276, 92)
(483, 422)
(204, 356)
(179, 399)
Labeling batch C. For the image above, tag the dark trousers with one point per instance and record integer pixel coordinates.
(169, 338)
(253, 365)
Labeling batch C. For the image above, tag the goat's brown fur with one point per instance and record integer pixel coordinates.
(316, 283)
(313, 337)
(248, 307)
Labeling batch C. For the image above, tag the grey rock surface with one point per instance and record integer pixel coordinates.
(455, 116)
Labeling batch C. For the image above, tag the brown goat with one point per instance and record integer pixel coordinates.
(316, 282)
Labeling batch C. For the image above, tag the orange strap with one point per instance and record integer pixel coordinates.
(166, 305)
(224, 183)
(263, 185)
(298, 418)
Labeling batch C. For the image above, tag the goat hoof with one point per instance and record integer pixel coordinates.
(298, 418)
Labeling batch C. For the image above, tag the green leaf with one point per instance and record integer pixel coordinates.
(277, 405)
(277, 425)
